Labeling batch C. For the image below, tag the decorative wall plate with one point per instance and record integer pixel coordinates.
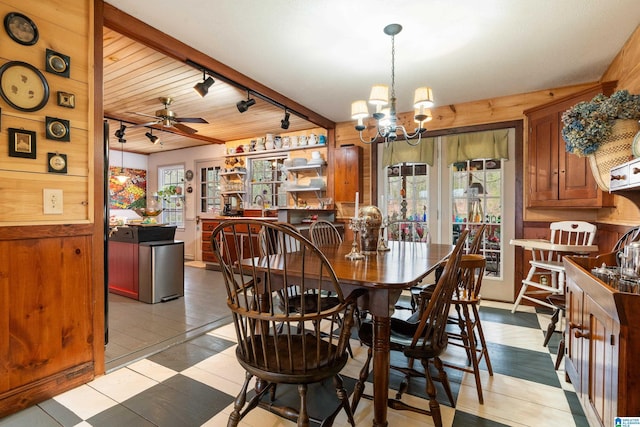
(188, 175)
(57, 129)
(635, 145)
(57, 163)
(23, 86)
(57, 63)
(20, 28)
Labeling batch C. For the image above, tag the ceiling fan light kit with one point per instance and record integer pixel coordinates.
(387, 126)
(168, 119)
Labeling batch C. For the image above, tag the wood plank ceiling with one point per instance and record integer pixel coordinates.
(137, 77)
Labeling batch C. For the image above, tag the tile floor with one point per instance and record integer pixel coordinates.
(194, 384)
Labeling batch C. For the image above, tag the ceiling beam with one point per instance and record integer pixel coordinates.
(137, 30)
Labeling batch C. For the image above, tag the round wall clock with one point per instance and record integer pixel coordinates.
(23, 86)
(188, 175)
(21, 29)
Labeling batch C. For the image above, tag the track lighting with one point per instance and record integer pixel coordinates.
(284, 123)
(120, 133)
(154, 139)
(244, 105)
(203, 87)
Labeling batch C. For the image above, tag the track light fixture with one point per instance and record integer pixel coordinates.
(154, 139)
(244, 105)
(120, 133)
(284, 123)
(202, 88)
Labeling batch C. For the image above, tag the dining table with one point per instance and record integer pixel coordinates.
(384, 275)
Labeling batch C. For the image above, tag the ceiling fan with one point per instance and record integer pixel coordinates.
(168, 118)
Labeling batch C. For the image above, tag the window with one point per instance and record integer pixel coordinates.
(266, 180)
(171, 194)
(407, 191)
(407, 196)
(476, 200)
(210, 186)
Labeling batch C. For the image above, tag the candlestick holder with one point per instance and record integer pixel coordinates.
(356, 225)
(382, 240)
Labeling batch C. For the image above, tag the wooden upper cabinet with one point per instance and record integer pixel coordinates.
(347, 173)
(557, 178)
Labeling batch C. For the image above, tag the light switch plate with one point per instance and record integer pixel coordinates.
(52, 201)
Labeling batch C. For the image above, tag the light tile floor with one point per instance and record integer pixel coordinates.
(194, 384)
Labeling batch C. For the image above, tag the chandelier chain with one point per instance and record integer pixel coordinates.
(393, 66)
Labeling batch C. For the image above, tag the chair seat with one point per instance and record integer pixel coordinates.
(301, 362)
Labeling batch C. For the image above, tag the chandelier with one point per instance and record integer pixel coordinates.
(386, 120)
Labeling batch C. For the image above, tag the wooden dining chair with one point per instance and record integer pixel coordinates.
(323, 232)
(424, 290)
(421, 337)
(467, 330)
(283, 346)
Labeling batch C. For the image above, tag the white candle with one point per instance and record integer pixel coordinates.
(384, 206)
(355, 215)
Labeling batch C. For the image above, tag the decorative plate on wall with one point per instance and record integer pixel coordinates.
(23, 86)
(21, 29)
(635, 145)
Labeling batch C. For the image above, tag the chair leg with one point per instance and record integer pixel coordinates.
(344, 404)
(523, 288)
(483, 343)
(303, 415)
(444, 379)
(241, 399)
(552, 327)
(434, 406)
(359, 386)
(472, 352)
(560, 353)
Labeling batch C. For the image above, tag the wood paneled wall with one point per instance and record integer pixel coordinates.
(51, 274)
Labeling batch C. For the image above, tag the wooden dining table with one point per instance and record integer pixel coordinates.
(384, 275)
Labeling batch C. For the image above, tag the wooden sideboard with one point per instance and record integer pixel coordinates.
(602, 343)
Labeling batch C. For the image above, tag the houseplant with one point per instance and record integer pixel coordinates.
(602, 129)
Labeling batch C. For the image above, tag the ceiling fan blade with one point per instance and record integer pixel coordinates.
(143, 114)
(190, 120)
(184, 128)
(145, 124)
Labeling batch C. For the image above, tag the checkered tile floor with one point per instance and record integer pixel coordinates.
(194, 384)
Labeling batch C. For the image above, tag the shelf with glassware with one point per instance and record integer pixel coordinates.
(477, 200)
(232, 183)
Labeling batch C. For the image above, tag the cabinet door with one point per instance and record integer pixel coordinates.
(601, 360)
(543, 159)
(123, 269)
(575, 179)
(347, 172)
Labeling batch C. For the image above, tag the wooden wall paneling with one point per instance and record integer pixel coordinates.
(52, 299)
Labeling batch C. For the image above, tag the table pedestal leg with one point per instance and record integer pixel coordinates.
(381, 361)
